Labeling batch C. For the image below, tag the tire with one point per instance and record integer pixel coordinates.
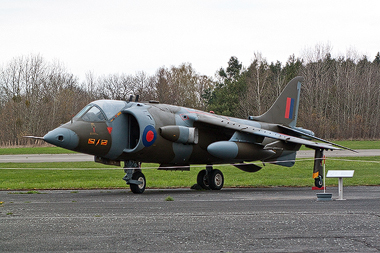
(138, 188)
(202, 180)
(216, 180)
(318, 182)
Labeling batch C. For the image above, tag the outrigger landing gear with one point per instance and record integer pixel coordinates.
(134, 177)
(318, 168)
(210, 179)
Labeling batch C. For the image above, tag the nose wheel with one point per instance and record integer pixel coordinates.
(140, 187)
(210, 179)
(134, 177)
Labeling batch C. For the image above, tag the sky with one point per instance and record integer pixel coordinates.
(114, 37)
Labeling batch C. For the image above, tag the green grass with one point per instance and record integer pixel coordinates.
(28, 192)
(168, 198)
(57, 150)
(90, 175)
(63, 165)
(375, 144)
(34, 150)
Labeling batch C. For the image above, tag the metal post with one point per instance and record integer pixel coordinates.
(324, 174)
(340, 186)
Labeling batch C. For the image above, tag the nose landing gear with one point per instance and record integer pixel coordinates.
(134, 177)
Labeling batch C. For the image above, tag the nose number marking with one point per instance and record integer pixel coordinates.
(96, 142)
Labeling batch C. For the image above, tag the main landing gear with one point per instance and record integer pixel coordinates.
(207, 179)
(134, 177)
(210, 179)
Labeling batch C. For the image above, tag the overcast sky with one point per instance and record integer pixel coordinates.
(110, 36)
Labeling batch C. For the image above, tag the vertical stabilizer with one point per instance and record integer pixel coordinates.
(285, 110)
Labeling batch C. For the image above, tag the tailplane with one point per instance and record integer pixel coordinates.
(285, 110)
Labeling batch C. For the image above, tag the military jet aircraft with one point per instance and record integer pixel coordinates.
(176, 137)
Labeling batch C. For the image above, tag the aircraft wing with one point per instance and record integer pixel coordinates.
(313, 137)
(224, 122)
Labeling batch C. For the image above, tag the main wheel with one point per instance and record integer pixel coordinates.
(202, 180)
(138, 188)
(216, 180)
(318, 182)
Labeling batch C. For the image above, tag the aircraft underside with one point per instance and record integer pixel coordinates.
(209, 178)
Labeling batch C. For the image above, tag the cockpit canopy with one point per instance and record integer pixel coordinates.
(100, 110)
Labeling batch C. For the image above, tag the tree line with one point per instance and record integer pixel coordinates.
(37, 96)
(340, 97)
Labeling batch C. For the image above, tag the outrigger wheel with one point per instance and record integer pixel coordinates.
(210, 179)
(318, 168)
(318, 182)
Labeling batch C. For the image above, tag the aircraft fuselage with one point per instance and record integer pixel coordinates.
(151, 133)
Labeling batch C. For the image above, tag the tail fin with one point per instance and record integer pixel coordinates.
(285, 110)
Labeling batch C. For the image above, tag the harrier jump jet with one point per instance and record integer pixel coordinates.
(176, 137)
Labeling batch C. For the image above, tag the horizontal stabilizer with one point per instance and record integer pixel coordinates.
(248, 167)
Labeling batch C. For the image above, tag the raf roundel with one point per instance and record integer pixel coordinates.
(149, 136)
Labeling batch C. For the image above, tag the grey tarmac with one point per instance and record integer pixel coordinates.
(41, 158)
(38, 158)
(278, 219)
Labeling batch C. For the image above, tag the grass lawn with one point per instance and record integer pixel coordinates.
(90, 175)
(375, 144)
(34, 150)
(57, 150)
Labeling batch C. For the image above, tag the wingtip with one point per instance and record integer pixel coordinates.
(352, 150)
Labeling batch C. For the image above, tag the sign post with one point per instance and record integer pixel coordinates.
(340, 174)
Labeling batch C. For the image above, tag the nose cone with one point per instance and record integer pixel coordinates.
(62, 137)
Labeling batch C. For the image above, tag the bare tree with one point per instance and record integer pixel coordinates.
(32, 97)
(181, 86)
